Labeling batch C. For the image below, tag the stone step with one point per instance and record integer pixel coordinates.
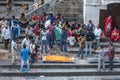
(58, 66)
(76, 49)
(42, 77)
(60, 72)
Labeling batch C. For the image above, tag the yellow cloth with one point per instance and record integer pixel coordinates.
(57, 58)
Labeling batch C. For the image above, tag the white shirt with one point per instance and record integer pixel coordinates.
(47, 23)
(97, 33)
(32, 47)
(43, 35)
(13, 45)
(26, 42)
(6, 33)
(29, 31)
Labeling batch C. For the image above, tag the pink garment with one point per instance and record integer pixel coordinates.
(69, 32)
(37, 30)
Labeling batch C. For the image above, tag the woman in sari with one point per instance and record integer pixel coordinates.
(115, 35)
(108, 26)
(57, 33)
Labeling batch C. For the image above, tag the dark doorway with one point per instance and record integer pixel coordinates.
(114, 9)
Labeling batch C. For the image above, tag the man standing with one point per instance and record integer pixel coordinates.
(26, 41)
(97, 33)
(29, 31)
(15, 30)
(37, 32)
(24, 58)
(33, 51)
(111, 54)
(89, 38)
(51, 35)
(6, 36)
(90, 26)
(3, 23)
(14, 49)
(64, 36)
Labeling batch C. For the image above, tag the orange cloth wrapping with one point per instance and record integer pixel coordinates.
(57, 58)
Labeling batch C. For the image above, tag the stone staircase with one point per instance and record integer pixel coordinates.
(47, 7)
(79, 68)
(70, 9)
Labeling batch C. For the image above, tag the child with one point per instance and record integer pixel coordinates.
(101, 57)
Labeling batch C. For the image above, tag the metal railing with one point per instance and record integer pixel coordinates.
(43, 7)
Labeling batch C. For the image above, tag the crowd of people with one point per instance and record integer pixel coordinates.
(48, 30)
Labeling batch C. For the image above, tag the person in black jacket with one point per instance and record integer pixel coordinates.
(89, 38)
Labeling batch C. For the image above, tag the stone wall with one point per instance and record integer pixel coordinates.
(16, 9)
(70, 9)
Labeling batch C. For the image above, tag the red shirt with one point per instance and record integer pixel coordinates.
(51, 29)
(36, 18)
